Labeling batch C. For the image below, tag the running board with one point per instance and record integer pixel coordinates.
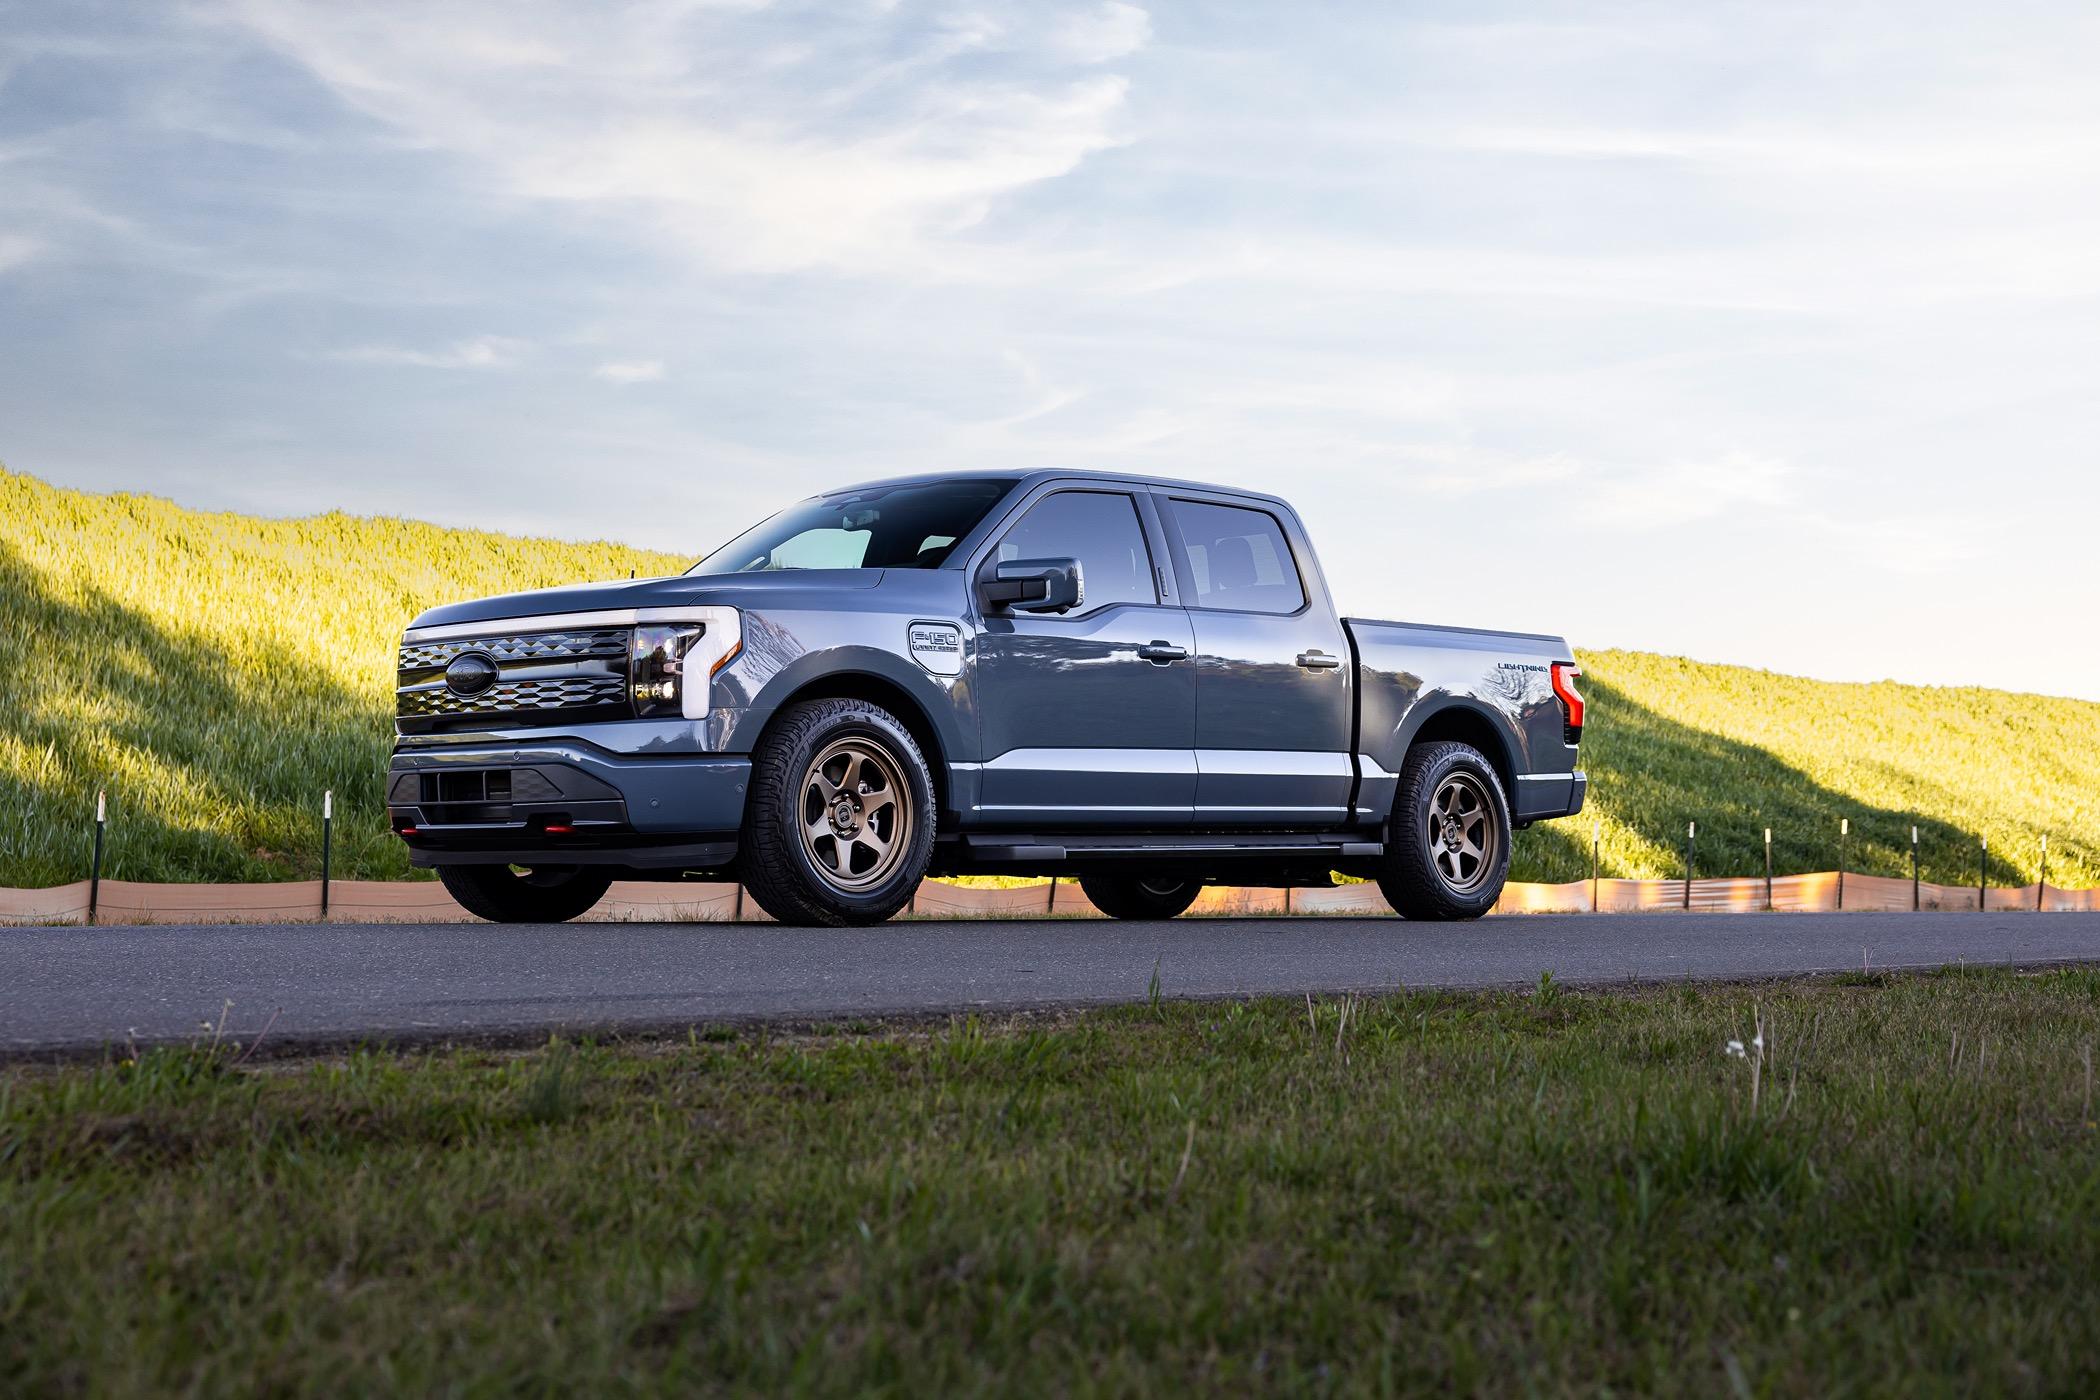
(1006, 849)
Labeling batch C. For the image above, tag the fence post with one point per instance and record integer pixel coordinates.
(1596, 844)
(1053, 895)
(2041, 883)
(95, 871)
(1844, 839)
(327, 845)
(1983, 870)
(1691, 835)
(1768, 870)
(1914, 905)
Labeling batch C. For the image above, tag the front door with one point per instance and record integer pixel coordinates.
(1273, 676)
(1088, 717)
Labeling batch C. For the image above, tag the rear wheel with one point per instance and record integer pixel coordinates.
(542, 894)
(839, 826)
(1447, 854)
(1140, 896)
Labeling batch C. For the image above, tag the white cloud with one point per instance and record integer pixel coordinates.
(16, 249)
(1102, 35)
(648, 111)
(482, 352)
(630, 371)
(1486, 474)
(1683, 492)
(1723, 295)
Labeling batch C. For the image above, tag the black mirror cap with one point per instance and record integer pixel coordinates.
(1036, 585)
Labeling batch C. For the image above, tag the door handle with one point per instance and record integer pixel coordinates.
(1163, 652)
(1318, 660)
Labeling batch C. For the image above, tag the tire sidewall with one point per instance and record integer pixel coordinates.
(1422, 792)
(866, 722)
(500, 895)
(1125, 896)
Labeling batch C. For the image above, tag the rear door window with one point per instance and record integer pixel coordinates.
(1238, 558)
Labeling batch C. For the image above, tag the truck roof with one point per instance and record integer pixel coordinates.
(1031, 475)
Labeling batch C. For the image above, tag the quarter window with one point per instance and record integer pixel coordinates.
(1098, 528)
(1239, 558)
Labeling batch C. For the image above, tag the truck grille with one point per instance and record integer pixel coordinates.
(539, 678)
(576, 692)
(535, 646)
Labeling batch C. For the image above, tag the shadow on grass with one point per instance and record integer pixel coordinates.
(215, 758)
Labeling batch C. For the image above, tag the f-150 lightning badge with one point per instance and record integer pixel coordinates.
(937, 646)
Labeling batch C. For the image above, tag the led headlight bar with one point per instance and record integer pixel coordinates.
(676, 654)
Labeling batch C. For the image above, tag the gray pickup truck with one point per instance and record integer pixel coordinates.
(1142, 683)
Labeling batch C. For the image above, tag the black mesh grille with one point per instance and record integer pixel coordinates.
(540, 678)
(531, 646)
(568, 693)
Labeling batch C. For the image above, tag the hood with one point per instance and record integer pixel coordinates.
(681, 590)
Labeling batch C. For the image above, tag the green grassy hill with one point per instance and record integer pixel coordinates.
(216, 672)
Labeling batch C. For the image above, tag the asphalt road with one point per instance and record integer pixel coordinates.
(66, 989)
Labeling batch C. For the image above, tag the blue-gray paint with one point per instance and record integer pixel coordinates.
(1047, 722)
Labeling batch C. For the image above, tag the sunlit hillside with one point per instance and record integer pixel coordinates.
(217, 672)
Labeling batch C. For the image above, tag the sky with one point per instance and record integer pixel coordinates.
(1764, 333)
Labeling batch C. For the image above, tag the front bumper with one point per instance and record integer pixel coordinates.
(517, 803)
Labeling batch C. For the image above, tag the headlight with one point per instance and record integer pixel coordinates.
(675, 659)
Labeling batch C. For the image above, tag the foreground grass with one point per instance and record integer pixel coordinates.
(1555, 1191)
(217, 672)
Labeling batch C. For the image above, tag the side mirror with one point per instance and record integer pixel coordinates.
(1035, 585)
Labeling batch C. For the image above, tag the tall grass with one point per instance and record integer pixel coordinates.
(217, 672)
(1739, 750)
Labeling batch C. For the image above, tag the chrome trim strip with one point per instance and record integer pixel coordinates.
(1062, 807)
(1273, 763)
(561, 622)
(1107, 762)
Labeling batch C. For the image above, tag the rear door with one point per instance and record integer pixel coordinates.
(1088, 718)
(1273, 679)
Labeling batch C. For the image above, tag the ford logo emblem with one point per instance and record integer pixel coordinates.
(471, 673)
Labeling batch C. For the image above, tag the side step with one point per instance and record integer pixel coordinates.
(1008, 849)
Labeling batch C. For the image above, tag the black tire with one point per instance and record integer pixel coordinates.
(546, 894)
(874, 830)
(1449, 803)
(1140, 896)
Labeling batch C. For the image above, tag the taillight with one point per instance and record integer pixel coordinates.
(1564, 674)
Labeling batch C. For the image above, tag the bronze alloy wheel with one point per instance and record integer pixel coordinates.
(1462, 834)
(856, 813)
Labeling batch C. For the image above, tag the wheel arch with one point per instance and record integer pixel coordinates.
(880, 690)
(1467, 724)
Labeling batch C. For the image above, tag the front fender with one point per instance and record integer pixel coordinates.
(786, 656)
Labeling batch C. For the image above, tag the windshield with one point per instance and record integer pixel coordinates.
(881, 527)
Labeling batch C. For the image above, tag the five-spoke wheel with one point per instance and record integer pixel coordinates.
(856, 813)
(1447, 852)
(1462, 833)
(838, 824)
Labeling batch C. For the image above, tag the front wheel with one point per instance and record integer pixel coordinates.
(1447, 854)
(1139, 896)
(543, 894)
(839, 825)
